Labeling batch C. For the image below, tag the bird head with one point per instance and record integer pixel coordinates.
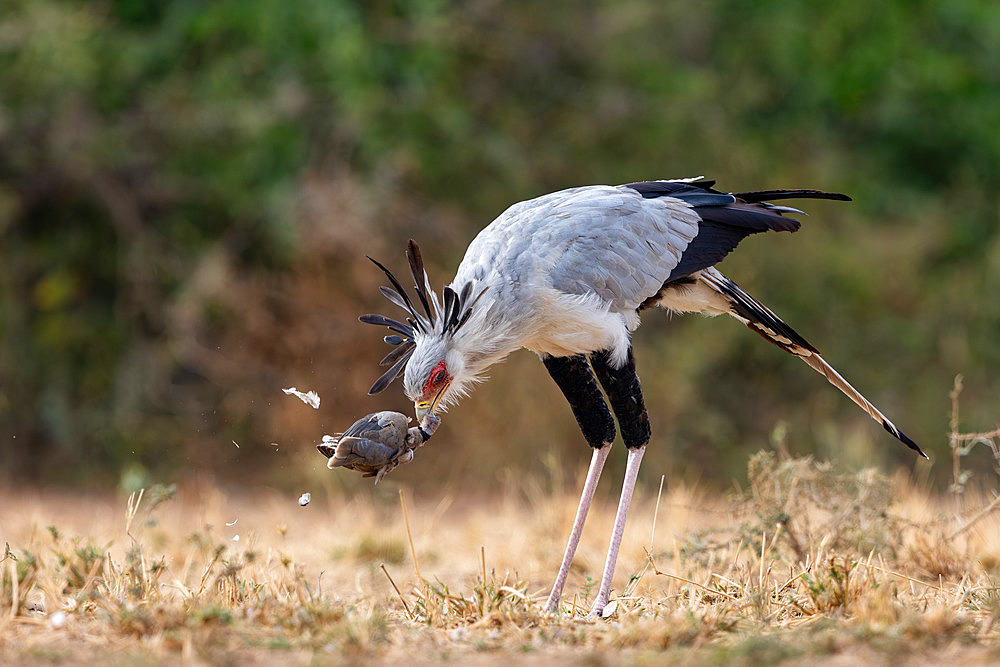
(429, 346)
(429, 377)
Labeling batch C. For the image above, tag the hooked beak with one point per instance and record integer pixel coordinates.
(422, 408)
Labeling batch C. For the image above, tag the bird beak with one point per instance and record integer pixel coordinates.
(424, 407)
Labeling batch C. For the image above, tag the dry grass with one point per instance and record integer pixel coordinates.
(807, 565)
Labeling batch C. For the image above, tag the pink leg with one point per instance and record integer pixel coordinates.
(631, 473)
(594, 474)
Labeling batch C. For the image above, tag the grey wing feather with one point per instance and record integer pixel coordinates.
(363, 425)
(386, 427)
(612, 242)
(622, 243)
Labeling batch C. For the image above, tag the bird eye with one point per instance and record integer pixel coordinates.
(439, 378)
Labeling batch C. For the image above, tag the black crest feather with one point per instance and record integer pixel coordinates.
(419, 275)
(443, 320)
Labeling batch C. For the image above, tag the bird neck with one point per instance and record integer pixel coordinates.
(489, 336)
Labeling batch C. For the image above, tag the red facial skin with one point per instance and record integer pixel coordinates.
(438, 379)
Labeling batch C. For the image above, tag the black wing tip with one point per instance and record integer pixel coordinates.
(784, 224)
(902, 437)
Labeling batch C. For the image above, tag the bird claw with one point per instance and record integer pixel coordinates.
(383, 471)
(404, 455)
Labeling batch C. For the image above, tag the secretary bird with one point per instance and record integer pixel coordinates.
(566, 276)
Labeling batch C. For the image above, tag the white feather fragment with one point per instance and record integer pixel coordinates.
(310, 398)
(304, 499)
(609, 609)
(236, 537)
(233, 523)
(58, 619)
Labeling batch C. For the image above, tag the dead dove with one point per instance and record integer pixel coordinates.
(377, 443)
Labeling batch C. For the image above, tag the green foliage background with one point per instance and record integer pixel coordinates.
(188, 190)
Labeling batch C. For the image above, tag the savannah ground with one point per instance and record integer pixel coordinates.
(806, 564)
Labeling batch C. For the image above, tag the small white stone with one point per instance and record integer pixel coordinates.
(58, 619)
(304, 499)
(236, 538)
(609, 609)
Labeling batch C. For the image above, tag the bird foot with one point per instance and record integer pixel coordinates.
(602, 609)
(383, 471)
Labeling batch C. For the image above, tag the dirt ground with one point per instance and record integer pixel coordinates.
(806, 567)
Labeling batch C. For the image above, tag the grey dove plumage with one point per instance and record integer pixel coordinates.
(377, 443)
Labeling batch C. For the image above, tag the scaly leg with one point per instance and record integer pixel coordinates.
(625, 394)
(593, 475)
(631, 473)
(577, 382)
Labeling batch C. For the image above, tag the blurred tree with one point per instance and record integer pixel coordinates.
(187, 191)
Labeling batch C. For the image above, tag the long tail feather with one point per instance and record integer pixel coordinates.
(837, 380)
(762, 319)
(768, 195)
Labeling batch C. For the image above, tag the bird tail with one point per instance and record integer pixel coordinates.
(761, 319)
